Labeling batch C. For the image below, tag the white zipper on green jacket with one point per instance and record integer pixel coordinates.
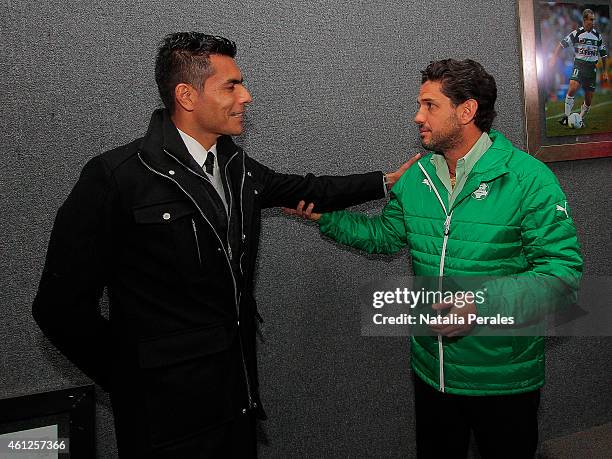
(441, 272)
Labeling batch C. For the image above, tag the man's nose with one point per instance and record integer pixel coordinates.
(419, 118)
(245, 97)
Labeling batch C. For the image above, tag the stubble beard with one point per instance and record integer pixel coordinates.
(446, 140)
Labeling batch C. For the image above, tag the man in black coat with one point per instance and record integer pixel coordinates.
(169, 225)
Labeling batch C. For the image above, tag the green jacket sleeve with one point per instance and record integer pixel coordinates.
(384, 233)
(551, 249)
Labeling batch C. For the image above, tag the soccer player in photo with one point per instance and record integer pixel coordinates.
(588, 46)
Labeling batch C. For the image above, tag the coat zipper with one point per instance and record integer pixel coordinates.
(242, 233)
(229, 207)
(195, 234)
(257, 315)
(246, 374)
(447, 223)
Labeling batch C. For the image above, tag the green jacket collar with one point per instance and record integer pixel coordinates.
(491, 165)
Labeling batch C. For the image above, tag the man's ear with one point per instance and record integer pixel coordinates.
(467, 111)
(185, 96)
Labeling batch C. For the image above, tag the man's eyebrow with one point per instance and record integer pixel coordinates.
(426, 99)
(235, 81)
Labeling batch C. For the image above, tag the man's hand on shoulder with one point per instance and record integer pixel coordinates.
(392, 177)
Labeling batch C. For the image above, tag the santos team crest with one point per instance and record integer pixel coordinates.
(482, 192)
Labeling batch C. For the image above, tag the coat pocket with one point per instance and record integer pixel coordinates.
(190, 382)
(164, 232)
(180, 347)
(162, 213)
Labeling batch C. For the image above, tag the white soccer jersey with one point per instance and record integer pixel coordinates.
(587, 46)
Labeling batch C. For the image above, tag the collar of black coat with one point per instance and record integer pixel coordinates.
(162, 136)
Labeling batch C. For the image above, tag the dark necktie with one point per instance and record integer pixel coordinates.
(209, 163)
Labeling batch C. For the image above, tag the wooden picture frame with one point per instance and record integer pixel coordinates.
(544, 147)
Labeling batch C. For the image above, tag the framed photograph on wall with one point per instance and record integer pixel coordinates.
(567, 80)
(57, 424)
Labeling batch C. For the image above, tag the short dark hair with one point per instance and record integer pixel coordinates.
(463, 80)
(183, 57)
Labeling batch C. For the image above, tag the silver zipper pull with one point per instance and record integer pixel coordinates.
(447, 225)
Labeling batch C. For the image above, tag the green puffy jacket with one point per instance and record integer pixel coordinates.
(511, 220)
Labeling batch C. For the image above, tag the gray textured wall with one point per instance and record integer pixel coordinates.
(334, 84)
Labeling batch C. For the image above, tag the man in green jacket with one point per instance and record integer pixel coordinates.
(475, 206)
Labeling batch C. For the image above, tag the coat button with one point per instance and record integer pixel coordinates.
(166, 216)
(243, 410)
(256, 192)
(243, 237)
(249, 173)
(171, 172)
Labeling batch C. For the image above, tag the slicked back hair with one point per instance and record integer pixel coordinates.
(184, 57)
(463, 80)
(587, 12)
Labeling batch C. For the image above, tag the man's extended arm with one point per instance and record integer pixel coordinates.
(384, 233)
(67, 303)
(325, 192)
